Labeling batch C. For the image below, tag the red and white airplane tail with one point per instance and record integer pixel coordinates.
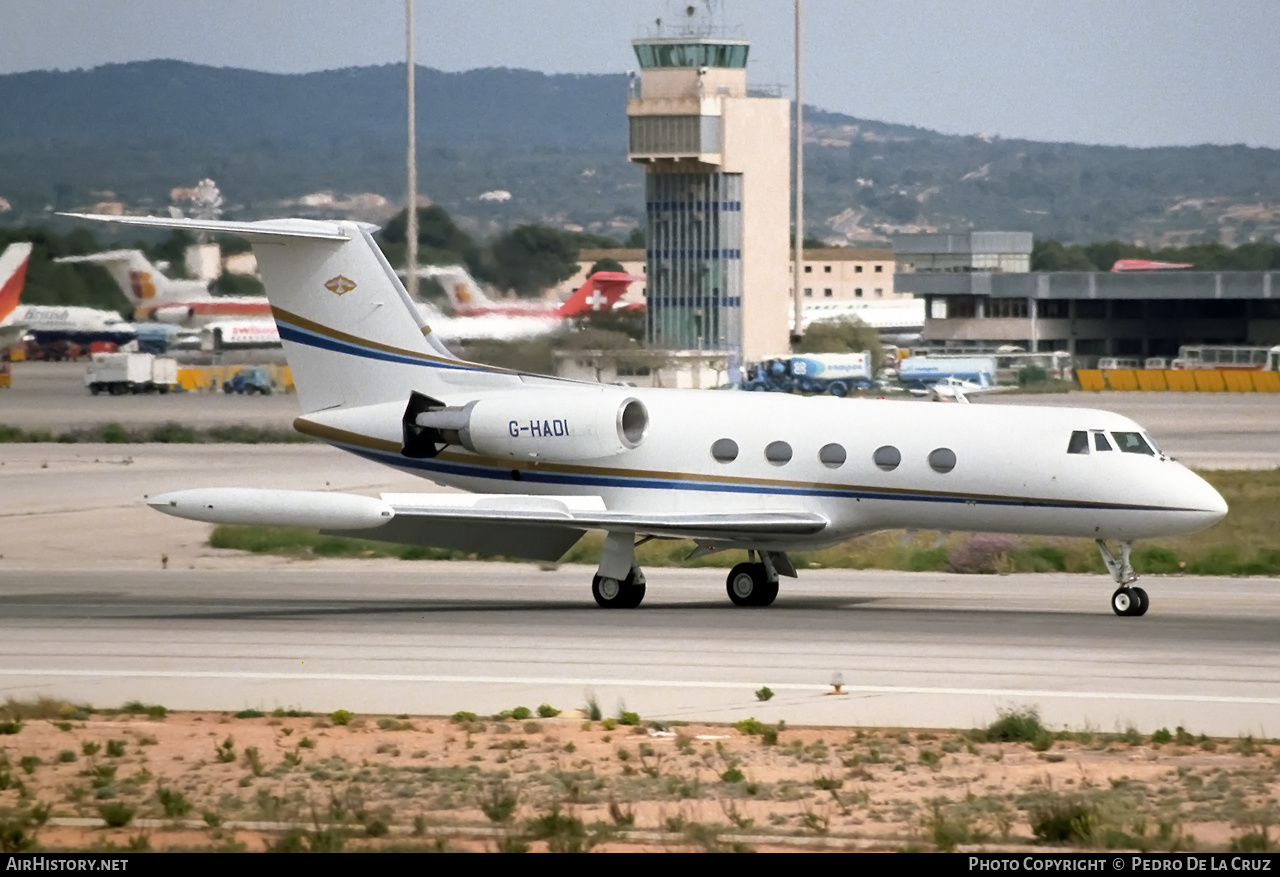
(13, 274)
(465, 295)
(600, 293)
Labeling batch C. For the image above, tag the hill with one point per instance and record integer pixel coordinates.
(131, 133)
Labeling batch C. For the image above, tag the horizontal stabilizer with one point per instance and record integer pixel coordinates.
(266, 229)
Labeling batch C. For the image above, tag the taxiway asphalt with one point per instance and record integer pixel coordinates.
(915, 650)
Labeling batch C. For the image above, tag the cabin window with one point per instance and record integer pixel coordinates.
(887, 458)
(778, 453)
(832, 456)
(1079, 443)
(725, 450)
(1100, 442)
(942, 460)
(1132, 443)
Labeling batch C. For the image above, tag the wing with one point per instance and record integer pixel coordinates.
(515, 525)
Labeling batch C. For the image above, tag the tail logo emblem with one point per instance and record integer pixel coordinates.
(339, 285)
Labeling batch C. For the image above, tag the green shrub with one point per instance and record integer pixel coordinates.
(608, 724)
(593, 711)
(66, 756)
(115, 749)
(115, 434)
(521, 713)
(765, 693)
(116, 814)
(135, 707)
(1162, 736)
(462, 716)
(175, 803)
(547, 711)
(626, 718)
(732, 775)
(1016, 726)
(172, 433)
(88, 747)
(341, 717)
(225, 753)
(250, 714)
(10, 727)
(1064, 820)
(29, 763)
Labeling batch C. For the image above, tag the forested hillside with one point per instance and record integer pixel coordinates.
(131, 133)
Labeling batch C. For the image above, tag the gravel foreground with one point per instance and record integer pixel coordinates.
(72, 780)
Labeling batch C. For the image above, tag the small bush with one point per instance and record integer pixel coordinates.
(1064, 820)
(1162, 736)
(116, 814)
(66, 756)
(377, 828)
(115, 749)
(1016, 726)
(765, 693)
(250, 714)
(626, 718)
(608, 724)
(174, 803)
(547, 711)
(341, 717)
(462, 716)
(985, 553)
(732, 775)
(88, 747)
(10, 727)
(521, 713)
(593, 711)
(225, 753)
(135, 708)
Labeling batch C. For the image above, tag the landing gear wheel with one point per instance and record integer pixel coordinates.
(613, 594)
(1129, 602)
(748, 585)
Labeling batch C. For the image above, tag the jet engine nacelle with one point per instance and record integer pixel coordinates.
(174, 316)
(553, 425)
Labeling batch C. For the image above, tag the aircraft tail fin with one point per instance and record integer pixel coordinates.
(464, 293)
(351, 333)
(142, 283)
(598, 293)
(13, 274)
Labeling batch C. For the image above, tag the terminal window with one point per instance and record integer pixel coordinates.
(826, 269)
(857, 269)
(808, 269)
(808, 292)
(879, 269)
(857, 293)
(827, 293)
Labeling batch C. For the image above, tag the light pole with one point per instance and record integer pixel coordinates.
(797, 303)
(411, 230)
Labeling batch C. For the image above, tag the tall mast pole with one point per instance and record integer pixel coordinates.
(411, 231)
(797, 269)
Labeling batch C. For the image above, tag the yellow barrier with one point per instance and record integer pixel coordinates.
(1238, 381)
(17, 353)
(1151, 379)
(1209, 380)
(1266, 382)
(1180, 381)
(1090, 379)
(1121, 378)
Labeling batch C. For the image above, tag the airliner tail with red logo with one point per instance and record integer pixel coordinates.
(600, 292)
(160, 299)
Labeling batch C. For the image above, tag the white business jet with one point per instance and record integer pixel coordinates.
(768, 473)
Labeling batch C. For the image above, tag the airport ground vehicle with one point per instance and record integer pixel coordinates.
(121, 373)
(1221, 356)
(248, 381)
(833, 373)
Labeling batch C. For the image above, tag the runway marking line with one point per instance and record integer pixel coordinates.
(635, 683)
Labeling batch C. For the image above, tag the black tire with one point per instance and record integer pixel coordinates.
(1126, 603)
(614, 594)
(838, 389)
(95, 389)
(748, 585)
(1144, 601)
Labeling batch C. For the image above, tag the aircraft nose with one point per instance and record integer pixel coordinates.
(1209, 503)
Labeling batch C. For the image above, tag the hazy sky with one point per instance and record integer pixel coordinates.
(1133, 72)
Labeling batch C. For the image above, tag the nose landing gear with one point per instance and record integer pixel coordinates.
(1127, 599)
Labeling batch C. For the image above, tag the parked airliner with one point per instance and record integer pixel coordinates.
(13, 274)
(549, 459)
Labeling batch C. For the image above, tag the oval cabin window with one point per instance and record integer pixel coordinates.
(724, 450)
(887, 458)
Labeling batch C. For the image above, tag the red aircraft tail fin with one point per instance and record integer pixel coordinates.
(13, 273)
(599, 293)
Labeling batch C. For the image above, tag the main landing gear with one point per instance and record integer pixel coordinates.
(1128, 599)
(620, 584)
(755, 583)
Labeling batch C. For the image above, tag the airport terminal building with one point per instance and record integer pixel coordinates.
(971, 303)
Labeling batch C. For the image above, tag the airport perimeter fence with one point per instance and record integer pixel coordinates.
(1201, 380)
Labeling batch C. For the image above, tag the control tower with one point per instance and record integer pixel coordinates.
(717, 187)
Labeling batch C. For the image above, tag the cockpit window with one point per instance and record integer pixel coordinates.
(1079, 443)
(1100, 442)
(1133, 443)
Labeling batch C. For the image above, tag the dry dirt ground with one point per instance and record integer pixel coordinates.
(217, 781)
